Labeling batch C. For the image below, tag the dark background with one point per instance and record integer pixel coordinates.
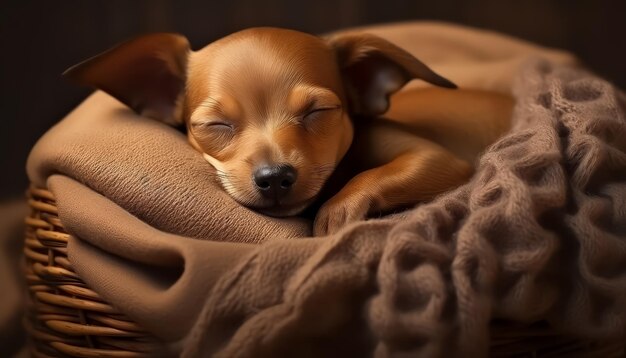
(39, 39)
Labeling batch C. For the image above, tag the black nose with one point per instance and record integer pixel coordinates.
(274, 181)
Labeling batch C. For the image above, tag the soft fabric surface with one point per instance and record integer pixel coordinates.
(538, 234)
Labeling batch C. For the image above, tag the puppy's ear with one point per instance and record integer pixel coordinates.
(374, 68)
(148, 74)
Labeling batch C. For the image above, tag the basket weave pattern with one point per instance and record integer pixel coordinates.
(64, 317)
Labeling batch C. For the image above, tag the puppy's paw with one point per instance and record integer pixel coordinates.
(338, 212)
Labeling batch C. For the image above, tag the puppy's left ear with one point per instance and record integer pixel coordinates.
(374, 68)
(147, 74)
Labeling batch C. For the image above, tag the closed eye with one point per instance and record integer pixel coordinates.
(312, 113)
(214, 130)
(219, 125)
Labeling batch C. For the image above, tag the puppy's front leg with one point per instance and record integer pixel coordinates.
(413, 176)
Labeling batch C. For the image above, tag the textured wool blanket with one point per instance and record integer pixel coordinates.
(538, 234)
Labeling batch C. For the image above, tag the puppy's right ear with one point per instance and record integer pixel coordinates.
(147, 74)
(373, 69)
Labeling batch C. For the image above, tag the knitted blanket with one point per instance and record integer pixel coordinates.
(539, 234)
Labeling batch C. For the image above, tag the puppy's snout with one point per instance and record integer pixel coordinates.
(275, 181)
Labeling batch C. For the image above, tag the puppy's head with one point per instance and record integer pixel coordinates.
(269, 109)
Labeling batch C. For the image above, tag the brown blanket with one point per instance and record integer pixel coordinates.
(538, 234)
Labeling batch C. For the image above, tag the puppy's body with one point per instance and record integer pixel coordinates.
(426, 143)
(275, 111)
(463, 121)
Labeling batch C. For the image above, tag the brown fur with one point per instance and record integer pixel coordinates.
(267, 95)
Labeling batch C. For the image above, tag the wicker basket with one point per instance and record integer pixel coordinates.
(66, 318)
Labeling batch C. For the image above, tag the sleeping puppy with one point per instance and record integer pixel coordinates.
(276, 111)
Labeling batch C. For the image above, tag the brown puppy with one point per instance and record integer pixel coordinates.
(274, 111)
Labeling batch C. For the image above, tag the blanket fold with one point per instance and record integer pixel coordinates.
(134, 261)
(538, 234)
